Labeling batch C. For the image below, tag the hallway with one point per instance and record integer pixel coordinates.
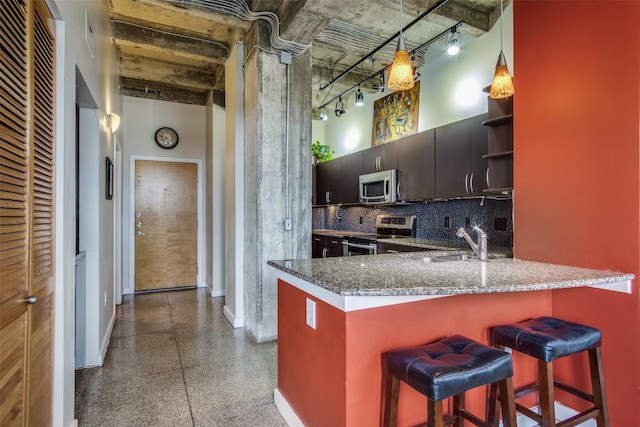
(174, 360)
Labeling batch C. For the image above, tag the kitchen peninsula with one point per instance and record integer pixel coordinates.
(337, 316)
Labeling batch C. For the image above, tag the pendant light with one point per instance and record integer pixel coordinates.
(401, 74)
(502, 85)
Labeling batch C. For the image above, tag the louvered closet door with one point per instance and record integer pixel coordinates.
(26, 212)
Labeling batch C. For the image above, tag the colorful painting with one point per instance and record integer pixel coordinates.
(395, 116)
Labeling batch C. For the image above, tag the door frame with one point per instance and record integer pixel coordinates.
(132, 208)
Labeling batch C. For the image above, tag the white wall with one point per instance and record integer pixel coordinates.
(140, 120)
(215, 232)
(100, 74)
(450, 90)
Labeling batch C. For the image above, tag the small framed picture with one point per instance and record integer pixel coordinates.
(108, 189)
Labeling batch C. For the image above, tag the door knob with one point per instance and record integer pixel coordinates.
(138, 214)
(31, 299)
(139, 224)
(140, 233)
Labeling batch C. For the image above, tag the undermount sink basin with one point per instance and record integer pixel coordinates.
(455, 257)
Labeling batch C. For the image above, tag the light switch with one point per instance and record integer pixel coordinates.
(311, 313)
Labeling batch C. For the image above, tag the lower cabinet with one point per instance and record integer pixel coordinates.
(390, 248)
(325, 246)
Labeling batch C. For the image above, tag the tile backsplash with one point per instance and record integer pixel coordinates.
(436, 220)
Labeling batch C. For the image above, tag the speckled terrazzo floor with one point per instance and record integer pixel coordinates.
(174, 360)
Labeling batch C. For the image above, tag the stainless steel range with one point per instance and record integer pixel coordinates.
(387, 226)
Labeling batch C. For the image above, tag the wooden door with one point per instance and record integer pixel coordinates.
(26, 212)
(166, 214)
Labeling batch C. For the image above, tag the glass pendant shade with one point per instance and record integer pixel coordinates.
(401, 74)
(502, 85)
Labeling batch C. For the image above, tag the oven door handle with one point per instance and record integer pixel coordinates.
(371, 248)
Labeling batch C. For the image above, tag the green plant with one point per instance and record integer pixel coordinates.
(321, 152)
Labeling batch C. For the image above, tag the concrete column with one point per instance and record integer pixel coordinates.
(277, 175)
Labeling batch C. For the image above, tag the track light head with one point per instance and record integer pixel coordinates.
(359, 98)
(453, 43)
(339, 107)
(323, 115)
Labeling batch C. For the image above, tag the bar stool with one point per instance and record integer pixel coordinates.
(547, 339)
(446, 368)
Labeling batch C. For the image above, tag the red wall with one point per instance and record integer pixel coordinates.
(332, 376)
(576, 170)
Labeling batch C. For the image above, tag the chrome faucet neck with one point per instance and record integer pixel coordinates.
(479, 248)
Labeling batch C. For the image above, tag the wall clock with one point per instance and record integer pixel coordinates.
(166, 138)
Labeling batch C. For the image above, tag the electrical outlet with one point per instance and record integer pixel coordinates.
(311, 313)
(360, 220)
(500, 224)
(287, 224)
(446, 222)
(467, 222)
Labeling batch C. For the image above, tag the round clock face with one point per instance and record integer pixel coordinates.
(166, 138)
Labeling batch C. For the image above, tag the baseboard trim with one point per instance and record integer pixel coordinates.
(235, 322)
(286, 410)
(107, 339)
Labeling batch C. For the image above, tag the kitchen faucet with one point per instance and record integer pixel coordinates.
(481, 247)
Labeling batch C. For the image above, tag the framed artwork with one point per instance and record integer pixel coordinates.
(108, 189)
(395, 116)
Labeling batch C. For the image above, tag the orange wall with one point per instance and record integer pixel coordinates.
(332, 376)
(576, 170)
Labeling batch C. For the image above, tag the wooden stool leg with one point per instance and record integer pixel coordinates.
(458, 406)
(547, 399)
(597, 384)
(392, 388)
(435, 415)
(508, 403)
(493, 418)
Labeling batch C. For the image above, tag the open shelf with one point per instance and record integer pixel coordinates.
(497, 121)
(498, 155)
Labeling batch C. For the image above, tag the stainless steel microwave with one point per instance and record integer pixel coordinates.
(378, 187)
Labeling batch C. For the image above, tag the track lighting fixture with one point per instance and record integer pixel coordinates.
(453, 43)
(359, 98)
(401, 75)
(502, 85)
(339, 107)
(323, 115)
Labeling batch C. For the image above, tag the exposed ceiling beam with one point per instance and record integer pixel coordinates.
(140, 35)
(151, 69)
(162, 92)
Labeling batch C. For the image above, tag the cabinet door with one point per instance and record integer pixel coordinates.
(334, 246)
(317, 246)
(351, 171)
(381, 157)
(417, 166)
(329, 182)
(478, 148)
(452, 159)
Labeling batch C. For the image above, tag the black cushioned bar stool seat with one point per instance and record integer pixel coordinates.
(547, 339)
(447, 368)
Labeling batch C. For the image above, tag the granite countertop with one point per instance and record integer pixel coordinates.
(415, 273)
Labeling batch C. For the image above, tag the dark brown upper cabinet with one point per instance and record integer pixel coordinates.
(416, 167)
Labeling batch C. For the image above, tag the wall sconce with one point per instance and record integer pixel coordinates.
(359, 98)
(113, 122)
(339, 107)
(453, 43)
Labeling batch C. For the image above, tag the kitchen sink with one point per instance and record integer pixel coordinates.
(454, 257)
